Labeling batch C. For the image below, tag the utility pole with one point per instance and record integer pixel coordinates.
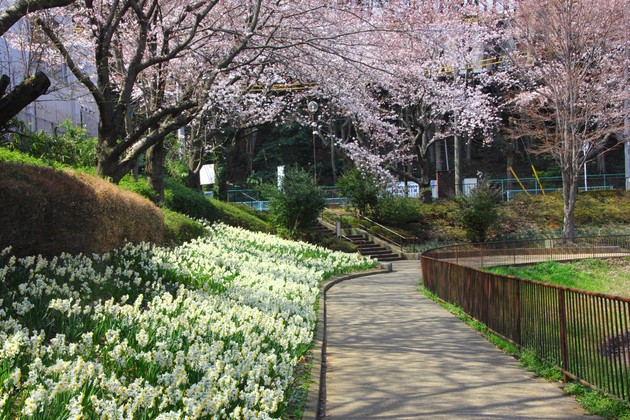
(312, 109)
(458, 165)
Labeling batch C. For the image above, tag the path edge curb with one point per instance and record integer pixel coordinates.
(315, 407)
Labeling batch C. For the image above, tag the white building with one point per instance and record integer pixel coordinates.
(67, 98)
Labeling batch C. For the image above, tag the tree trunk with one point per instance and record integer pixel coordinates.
(423, 163)
(22, 95)
(469, 150)
(510, 152)
(250, 148)
(458, 165)
(569, 195)
(195, 156)
(601, 163)
(155, 169)
(333, 166)
(425, 176)
(439, 162)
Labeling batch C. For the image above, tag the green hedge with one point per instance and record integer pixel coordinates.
(180, 228)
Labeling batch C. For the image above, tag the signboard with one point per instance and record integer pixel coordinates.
(206, 175)
(413, 189)
(280, 176)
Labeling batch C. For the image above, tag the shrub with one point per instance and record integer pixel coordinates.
(7, 155)
(69, 145)
(180, 229)
(602, 207)
(297, 203)
(47, 211)
(360, 189)
(236, 215)
(179, 198)
(141, 186)
(479, 211)
(395, 211)
(328, 241)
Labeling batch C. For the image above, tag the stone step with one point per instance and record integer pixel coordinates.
(365, 246)
(369, 246)
(393, 257)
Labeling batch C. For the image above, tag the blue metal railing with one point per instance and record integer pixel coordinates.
(510, 187)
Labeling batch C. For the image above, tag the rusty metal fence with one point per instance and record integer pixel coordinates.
(586, 334)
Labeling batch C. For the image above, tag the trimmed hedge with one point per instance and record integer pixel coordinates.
(180, 229)
(47, 211)
(179, 198)
(234, 215)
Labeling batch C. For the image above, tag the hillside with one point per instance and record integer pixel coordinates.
(597, 213)
(49, 209)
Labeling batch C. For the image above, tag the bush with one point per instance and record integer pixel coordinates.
(180, 229)
(7, 155)
(179, 198)
(48, 211)
(297, 203)
(396, 211)
(327, 241)
(69, 145)
(360, 189)
(479, 211)
(140, 187)
(235, 215)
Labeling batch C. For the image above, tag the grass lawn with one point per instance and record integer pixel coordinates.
(609, 276)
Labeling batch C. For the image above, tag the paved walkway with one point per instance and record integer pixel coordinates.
(394, 354)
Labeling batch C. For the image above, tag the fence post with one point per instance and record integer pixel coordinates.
(517, 315)
(564, 354)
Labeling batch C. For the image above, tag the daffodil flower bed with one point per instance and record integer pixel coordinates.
(211, 329)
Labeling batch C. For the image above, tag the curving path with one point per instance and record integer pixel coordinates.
(394, 354)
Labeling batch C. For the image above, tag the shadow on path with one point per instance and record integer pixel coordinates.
(393, 353)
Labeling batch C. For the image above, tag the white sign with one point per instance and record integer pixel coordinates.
(468, 185)
(206, 175)
(413, 189)
(280, 176)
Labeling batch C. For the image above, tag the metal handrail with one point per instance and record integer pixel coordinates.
(404, 240)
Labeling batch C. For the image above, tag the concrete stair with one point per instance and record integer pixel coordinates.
(370, 249)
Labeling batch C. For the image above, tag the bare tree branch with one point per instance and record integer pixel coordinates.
(23, 7)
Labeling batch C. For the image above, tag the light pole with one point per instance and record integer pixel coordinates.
(312, 109)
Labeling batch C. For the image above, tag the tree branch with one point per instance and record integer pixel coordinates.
(78, 73)
(23, 94)
(23, 8)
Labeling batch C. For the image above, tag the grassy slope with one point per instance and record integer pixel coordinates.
(597, 213)
(602, 276)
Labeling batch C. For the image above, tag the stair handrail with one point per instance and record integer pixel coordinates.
(403, 239)
(334, 222)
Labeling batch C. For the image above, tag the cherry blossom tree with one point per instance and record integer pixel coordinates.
(152, 66)
(415, 83)
(570, 54)
(235, 108)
